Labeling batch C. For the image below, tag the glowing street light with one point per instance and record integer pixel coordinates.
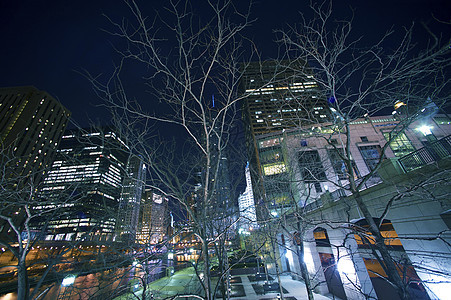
(68, 280)
(425, 130)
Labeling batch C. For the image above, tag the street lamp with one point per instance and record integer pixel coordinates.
(68, 280)
(425, 130)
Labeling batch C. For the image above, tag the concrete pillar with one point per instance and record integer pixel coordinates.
(313, 262)
(283, 252)
(350, 264)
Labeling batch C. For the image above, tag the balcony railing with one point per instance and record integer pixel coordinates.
(429, 154)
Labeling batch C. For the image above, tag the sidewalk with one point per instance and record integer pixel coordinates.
(185, 282)
(295, 289)
(181, 282)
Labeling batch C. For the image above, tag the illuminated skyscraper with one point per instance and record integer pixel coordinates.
(247, 205)
(87, 178)
(132, 190)
(152, 218)
(278, 95)
(31, 125)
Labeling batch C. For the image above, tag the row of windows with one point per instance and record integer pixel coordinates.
(311, 165)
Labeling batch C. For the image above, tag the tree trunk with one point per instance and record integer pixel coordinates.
(23, 288)
(276, 265)
(390, 265)
(206, 259)
(304, 271)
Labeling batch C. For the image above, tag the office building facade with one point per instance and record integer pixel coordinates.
(280, 96)
(246, 204)
(32, 123)
(277, 96)
(153, 218)
(86, 182)
(133, 187)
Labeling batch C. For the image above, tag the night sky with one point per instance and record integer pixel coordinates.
(45, 43)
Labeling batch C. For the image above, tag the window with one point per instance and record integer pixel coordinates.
(371, 155)
(272, 169)
(270, 143)
(441, 120)
(364, 238)
(271, 155)
(400, 145)
(339, 165)
(277, 189)
(364, 139)
(311, 167)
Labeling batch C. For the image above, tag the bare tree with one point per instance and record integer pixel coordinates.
(196, 84)
(361, 81)
(22, 209)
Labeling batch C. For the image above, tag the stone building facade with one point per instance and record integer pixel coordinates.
(408, 196)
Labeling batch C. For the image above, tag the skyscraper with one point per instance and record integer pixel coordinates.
(132, 190)
(246, 204)
(87, 179)
(220, 204)
(277, 95)
(31, 125)
(152, 218)
(280, 96)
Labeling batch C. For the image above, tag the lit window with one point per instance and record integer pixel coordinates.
(269, 143)
(400, 145)
(275, 168)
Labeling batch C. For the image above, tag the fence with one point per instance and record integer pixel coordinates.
(429, 154)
